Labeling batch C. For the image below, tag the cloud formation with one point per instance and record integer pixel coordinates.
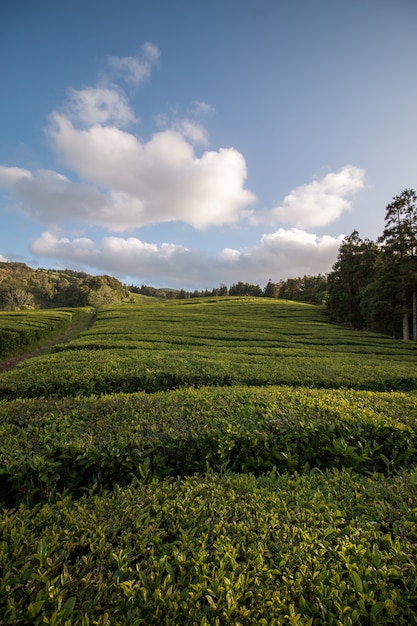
(127, 183)
(136, 70)
(317, 203)
(120, 181)
(100, 105)
(279, 255)
(52, 198)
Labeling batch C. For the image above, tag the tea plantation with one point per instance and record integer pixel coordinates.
(210, 462)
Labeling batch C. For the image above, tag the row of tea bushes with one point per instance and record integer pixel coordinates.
(332, 548)
(244, 325)
(163, 346)
(20, 329)
(88, 372)
(48, 446)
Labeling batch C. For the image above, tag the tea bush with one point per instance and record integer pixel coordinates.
(73, 443)
(332, 548)
(217, 497)
(170, 345)
(20, 329)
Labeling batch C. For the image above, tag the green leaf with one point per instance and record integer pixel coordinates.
(69, 605)
(35, 608)
(376, 556)
(42, 550)
(357, 581)
(377, 608)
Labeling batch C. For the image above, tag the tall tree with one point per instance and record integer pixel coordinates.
(399, 242)
(351, 275)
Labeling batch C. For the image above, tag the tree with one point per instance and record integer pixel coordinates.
(271, 290)
(245, 289)
(399, 242)
(17, 298)
(352, 273)
(379, 304)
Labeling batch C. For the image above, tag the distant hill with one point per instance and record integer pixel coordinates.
(22, 287)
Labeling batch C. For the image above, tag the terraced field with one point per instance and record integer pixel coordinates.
(224, 461)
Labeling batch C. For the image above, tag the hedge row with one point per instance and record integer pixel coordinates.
(48, 446)
(19, 330)
(88, 372)
(334, 549)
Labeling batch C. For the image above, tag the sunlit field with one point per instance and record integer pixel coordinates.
(231, 461)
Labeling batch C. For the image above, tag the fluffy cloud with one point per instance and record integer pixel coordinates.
(120, 181)
(156, 181)
(129, 183)
(317, 203)
(282, 254)
(100, 105)
(52, 198)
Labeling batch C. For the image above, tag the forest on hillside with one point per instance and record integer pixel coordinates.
(22, 287)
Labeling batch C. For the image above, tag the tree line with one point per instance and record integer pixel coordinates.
(311, 289)
(373, 283)
(22, 287)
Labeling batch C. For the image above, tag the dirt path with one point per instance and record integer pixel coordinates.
(81, 322)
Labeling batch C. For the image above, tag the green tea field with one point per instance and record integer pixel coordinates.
(214, 461)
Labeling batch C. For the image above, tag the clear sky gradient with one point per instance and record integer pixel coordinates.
(188, 143)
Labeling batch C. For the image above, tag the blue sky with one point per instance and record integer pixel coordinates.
(190, 143)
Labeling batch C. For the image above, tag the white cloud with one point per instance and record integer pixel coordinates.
(155, 181)
(120, 181)
(81, 249)
(133, 69)
(193, 131)
(52, 198)
(100, 105)
(317, 203)
(279, 255)
(10, 176)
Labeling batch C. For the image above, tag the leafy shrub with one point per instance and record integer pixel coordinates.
(19, 330)
(73, 443)
(331, 548)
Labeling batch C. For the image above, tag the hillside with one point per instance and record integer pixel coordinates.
(22, 287)
(226, 461)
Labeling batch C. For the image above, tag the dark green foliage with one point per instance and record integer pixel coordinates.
(311, 289)
(245, 289)
(331, 548)
(22, 287)
(352, 273)
(374, 285)
(71, 444)
(19, 330)
(400, 232)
